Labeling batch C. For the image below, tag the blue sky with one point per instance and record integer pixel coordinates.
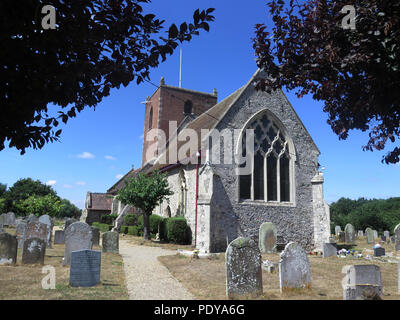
(98, 146)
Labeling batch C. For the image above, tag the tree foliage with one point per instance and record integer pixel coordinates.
(38, 205)
(97, 45)
(355, 72)
(145, 192)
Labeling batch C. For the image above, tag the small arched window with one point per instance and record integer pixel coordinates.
(188, 107)
(151, 118)
(270, 178)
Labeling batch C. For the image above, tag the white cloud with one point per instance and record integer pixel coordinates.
(119, 176)
(68, 186)
(110, 158)
(81, 183)
(51, 182)
(85, 155)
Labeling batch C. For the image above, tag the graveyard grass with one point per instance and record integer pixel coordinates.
(206, 278)
(24, 282)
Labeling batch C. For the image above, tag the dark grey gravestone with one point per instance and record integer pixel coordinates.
(2, 220)
(267, 237)
(110, 242)
(243, 269)
(34, 251)
(294, 268)
(349, 233)
(36, 229)
(78, 236)
(369, 235)
(59, 237)
(360, 281)
(379, 252)
(342, 237)
(20, 231)
(95, 236)
(49, 222)
(8, 248)
(85, 268)
(329, 250)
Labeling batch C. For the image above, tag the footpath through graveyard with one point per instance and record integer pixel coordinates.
(146, 277)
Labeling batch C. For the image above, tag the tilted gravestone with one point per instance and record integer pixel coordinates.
(78, 236)
(342, 236)
(361, 281)
(49, 222)
(20, 232)
(59, 237)
(8, 248)
(349, 233)
(85, 268)
(110, 242)
(369, 235)
(95, 236)
(243, 269)
(294, 268)
(267, 237)
(34, 251)
(337, 230)
(329, 250)
(397, 237)
(36, 229)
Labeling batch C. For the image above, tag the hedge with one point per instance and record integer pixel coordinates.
(155, 220)
(133, 230)
(130, 220)
(101, 226)
(124, 229)
(175, 229)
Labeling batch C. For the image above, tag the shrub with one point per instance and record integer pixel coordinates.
(124, 229)
(101, 226)
(130, 220)
(133, 231)
(155, 220)
(108, 218)
(177, 230)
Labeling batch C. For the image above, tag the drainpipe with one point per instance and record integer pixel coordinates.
(197, 196)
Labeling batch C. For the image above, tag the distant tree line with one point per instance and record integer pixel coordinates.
(378, 214)
(27, 196)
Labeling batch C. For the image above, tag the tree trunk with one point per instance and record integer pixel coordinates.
(146, 224)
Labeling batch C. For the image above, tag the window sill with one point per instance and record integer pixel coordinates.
(267, 203)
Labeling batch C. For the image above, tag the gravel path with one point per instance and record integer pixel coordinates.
(146, 277)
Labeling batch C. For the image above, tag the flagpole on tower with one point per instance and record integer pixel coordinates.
(180, 69)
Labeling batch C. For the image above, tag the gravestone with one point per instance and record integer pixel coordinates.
(59, 237)
(267, 237)
(85, 268)
(110, 242)
(47, 221)
(20, 232)
(36, 229)
(392, 239)
(360, 233)
(332, 239)
(361, 281)
(9, 219)
(294, 268)
(379, 252)
(95, 236)
(369, 235)
(78, 236)
(1, 221)
(375, 234)
(337, 230)
(386, 234)
(383, 238)
(68, 222)
(243, 269)
(349, 233)
(329, 250)
(397, 237)
(342, 237)
(32, 218)
(34, 251)
(8, 248)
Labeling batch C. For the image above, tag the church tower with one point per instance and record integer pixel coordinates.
(170, 103)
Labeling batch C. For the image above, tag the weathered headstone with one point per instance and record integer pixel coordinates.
(36, 229)
(294, 268)
(20, 231)
(349, 233)
(68, 222)
(329, 249)
(379, 252)
(110, 242)
(9, 219)
(95, 236)
(369, 235)
(392, 239)
(267, 237)
(59, 237)
(8, 248)
(397, 237)
(337, 230)
(34, 251)
(342, 236)
(85, 268)
(32, 218)
(360, 233)
(361, 281)
(375, 234)
(78, 236)
(49, 222)
(243, 269)
(386, 234)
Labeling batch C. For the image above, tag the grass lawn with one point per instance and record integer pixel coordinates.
(23, 282)
(205, 278)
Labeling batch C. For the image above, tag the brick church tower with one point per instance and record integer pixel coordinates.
(170, 103)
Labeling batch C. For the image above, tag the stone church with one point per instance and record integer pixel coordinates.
(249, 160)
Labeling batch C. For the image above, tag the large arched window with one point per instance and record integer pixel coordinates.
(271, 174)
